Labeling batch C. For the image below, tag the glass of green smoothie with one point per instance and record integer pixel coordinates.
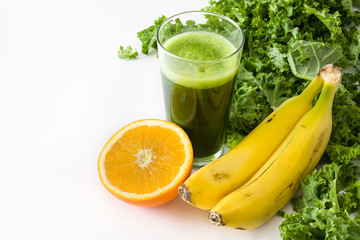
(199, 55)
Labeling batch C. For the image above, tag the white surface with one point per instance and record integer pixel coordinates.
(63, 93)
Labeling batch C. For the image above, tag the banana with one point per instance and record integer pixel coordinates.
(278, 180)
(212, 182)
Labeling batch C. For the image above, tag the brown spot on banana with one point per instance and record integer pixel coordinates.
(218, 177)
(269, 120)
(248, 194)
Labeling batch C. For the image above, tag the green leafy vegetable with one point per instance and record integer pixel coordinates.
(148, 36)
(287, 42)
(323, 210)
(306, 58)
(248, 108)
(342, 154)
(127, 53)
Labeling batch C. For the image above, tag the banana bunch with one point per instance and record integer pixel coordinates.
(208, 185)
(252, 182)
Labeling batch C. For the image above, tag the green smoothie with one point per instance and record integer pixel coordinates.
(197, 87)
(199, 45)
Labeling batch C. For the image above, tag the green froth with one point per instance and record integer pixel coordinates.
(214, 49)
(200, 46)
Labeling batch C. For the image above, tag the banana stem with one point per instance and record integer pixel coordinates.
(332, 78)
(328, 73)
(312, 89)
(331, 74)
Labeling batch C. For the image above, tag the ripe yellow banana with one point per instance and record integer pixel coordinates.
(278, 180)
(209, 184)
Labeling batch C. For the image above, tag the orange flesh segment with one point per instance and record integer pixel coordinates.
(148, 156)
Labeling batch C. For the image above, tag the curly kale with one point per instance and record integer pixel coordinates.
(328, 207)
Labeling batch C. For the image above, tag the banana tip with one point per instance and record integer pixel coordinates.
(184, 193)
(215, 218)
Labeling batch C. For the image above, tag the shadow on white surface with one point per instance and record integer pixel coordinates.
(180, 210)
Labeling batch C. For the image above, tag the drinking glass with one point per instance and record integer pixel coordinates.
(199, 54)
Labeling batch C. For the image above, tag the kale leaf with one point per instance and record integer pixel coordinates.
(323, 210)
(148, 36)
(127, 53)
(306, 58)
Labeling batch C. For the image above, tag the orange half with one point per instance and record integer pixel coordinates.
(146, 161)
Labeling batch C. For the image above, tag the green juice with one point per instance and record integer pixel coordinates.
(197, 89)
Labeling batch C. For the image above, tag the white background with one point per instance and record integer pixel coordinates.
(63, 94)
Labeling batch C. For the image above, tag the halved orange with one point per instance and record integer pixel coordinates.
(146, 161)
